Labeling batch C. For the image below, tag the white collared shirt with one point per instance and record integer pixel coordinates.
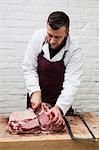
(72, 61)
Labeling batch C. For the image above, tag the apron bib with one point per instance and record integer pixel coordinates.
(51, 77)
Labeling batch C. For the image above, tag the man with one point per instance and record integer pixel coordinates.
(52, 66)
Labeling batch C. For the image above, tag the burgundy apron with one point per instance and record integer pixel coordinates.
(51, 77)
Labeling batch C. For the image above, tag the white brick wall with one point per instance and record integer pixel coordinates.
(19, 19)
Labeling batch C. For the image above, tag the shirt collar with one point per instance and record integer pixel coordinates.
(59, 55)
(66, 47)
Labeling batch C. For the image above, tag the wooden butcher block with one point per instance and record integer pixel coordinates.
(55, 141)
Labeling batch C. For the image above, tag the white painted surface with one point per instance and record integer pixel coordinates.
(19, 19)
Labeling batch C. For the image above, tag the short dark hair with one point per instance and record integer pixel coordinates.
(58, 19)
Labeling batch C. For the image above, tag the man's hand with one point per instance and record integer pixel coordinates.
(36, 99)
(57, 118)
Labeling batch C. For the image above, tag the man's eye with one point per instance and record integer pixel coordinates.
(50, 35)
(56, 37)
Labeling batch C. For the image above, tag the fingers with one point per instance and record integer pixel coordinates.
(36, 99)
(57, 120)
(56, 116)
(35, 105)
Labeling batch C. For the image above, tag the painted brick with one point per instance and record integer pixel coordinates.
(18, 21)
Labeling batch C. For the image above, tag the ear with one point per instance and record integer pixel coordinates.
(67, 32)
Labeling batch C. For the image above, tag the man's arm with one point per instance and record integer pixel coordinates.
(70, 87)
(29, 66)
(72, 80)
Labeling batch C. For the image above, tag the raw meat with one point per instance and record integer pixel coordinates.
(45, 120)
(30, 121)
(43, 117)
(24, 122)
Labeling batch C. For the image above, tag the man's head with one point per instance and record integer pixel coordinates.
(57, 28)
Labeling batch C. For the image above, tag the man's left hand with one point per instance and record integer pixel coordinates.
(57, 118)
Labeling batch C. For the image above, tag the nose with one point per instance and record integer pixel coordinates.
(52, 40)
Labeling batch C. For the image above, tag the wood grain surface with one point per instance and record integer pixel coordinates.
(56, 141)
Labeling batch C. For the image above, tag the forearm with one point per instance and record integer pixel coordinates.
(66, 98)
(72, 80)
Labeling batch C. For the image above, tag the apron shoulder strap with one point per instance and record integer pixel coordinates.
(64, 55)
(45, 40)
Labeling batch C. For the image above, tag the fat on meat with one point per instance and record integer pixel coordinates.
(30, 121)
(23, 122)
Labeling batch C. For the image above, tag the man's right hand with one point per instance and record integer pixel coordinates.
(36, 99)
